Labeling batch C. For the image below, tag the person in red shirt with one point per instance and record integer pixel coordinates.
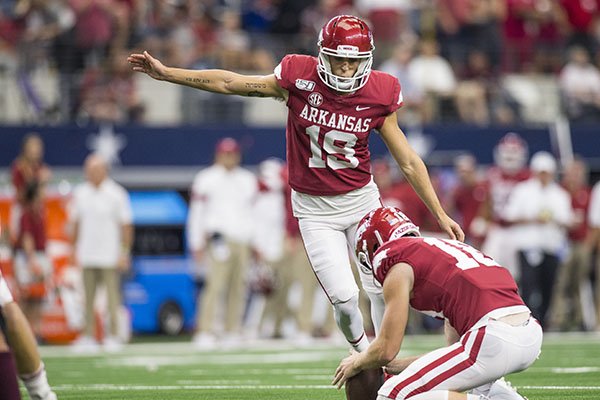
(582, 16)
(489, 330)
(467, 197)
(32, 266)
(334, 101)
(510, 168)
(29, 166)
(397, 192)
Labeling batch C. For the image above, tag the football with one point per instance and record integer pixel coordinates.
(364, 385)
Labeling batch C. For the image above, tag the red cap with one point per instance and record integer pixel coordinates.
(227, 145)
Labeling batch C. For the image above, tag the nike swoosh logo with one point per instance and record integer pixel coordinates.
(359, 108)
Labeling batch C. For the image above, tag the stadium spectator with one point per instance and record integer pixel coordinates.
(33, 268)
(510, 167)
(469, 26)
(334, 101)
(17, 340)
(540, 211)
(594, 224)
(97, 28)
(583, 18)
(48, 27)
(474, 89)
(486, 339)
(390, 20)
(517, 38)
(549, 38)
(467, 197)
(109, 93)
(220, 230)
(102, 234)
(579, 83)
(413, 111)
(573, 278)
(433, 75)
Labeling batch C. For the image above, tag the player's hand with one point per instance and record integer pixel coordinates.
(147, 64)
(346, 370)
(124, 263)
(452, 229)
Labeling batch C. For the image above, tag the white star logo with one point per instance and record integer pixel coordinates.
(107, 144)
(421, 143)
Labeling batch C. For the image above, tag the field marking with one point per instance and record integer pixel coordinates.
(103, 386)
(222, 359)
(575, 370)
(566, 370)
(68, 387)
(266, 371)
(561, 387)
(219, 382)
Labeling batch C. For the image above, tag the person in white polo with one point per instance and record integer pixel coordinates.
(220, 229)
(101, 217)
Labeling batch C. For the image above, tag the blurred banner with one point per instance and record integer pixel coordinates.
(131, 146)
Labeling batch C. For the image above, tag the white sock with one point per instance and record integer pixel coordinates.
(362, 344)
(37, 383)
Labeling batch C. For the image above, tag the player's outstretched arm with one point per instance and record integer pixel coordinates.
(415, 171)
(211, 80)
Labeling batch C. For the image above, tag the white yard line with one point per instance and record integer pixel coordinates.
(61, 388)
(561, 387)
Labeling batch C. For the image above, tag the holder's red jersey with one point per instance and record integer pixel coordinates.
(451, 279)
(327, 134)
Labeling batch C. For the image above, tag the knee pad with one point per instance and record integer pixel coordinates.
(347, 307)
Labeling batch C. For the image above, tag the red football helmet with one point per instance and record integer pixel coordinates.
(378, 227)
(345, 36)
(511, 152)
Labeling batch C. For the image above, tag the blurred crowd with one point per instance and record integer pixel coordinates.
(540, 221)
(457, 60)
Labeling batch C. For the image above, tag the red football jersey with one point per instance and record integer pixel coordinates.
(500, 186)
(327, 134)
(451, 279)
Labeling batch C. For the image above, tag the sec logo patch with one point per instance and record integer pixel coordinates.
(315, 99)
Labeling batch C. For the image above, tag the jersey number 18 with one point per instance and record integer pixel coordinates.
(335, 144)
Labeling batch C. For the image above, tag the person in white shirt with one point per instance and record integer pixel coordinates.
(594, 224)
(220, 228)
(540, 211)
(579, 83)
(101, 218)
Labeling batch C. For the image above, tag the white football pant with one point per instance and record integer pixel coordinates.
(481, 356)
(327, 243)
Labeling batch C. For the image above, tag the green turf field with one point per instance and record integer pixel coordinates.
(569, 368)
